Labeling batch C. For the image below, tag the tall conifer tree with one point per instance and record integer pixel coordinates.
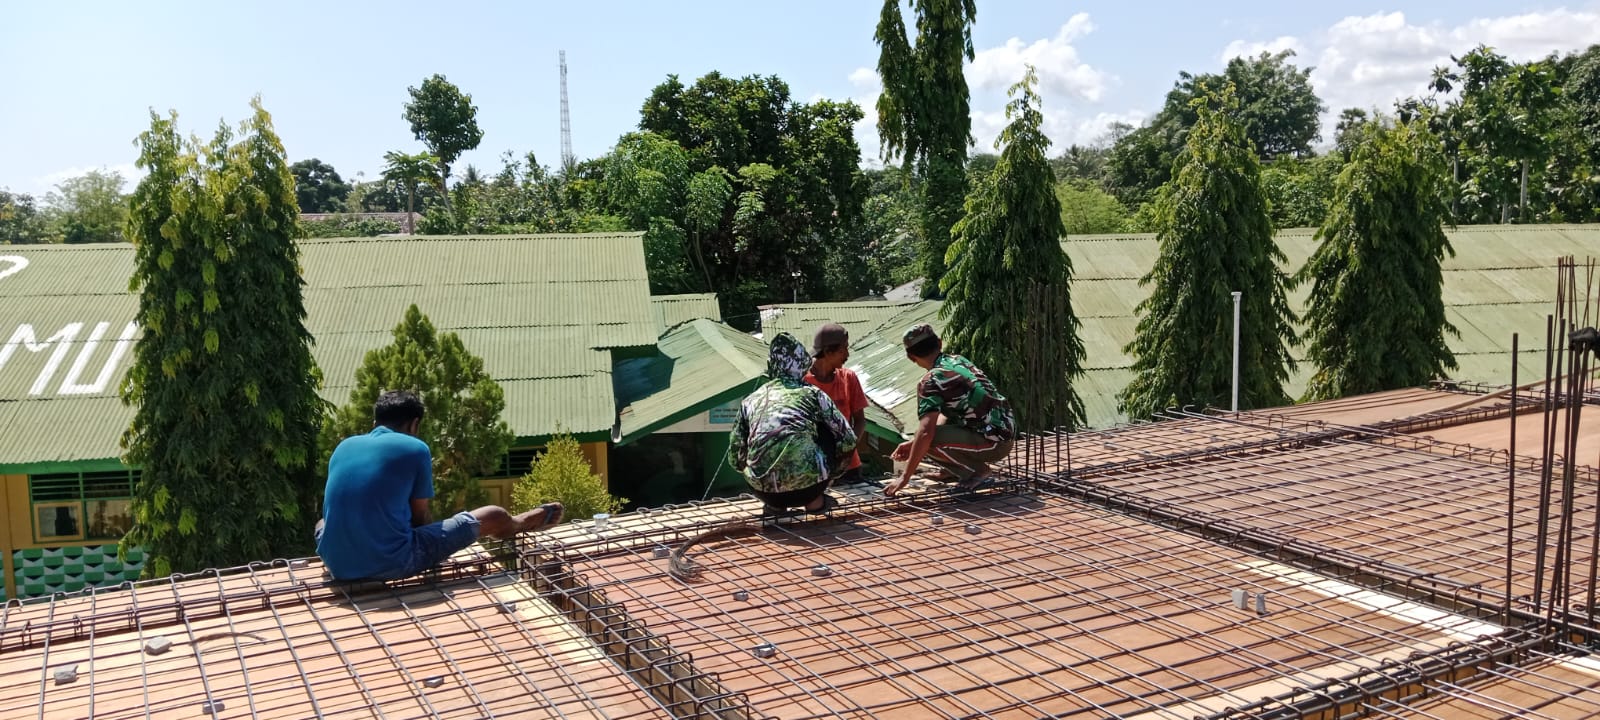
(1009, 305)
(924, 113)
(1215, 237)
(1376, 318)
(223, 378)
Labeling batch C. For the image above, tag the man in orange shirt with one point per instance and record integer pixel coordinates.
(830, 350)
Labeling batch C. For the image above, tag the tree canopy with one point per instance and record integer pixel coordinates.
(318, 187)
(445, 120)
(90, 208)
(1009, 305)
(762, 192)
(22, 222)
(1274, 104)
(925, 114)
(462, 424)
(1215, 237)
(224, 386)
(1376, 318)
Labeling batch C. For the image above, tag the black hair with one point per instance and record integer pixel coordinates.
(395, 408)
(930, 345)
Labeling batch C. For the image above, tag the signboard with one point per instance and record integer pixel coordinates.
(719, 419)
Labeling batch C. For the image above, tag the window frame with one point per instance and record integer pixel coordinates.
(80, 499)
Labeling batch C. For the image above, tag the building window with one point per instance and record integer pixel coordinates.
(82, 506)
(515, 463)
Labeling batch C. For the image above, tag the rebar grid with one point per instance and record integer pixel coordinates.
(1435, 519)
(1544, 686)
(1091, 614)
(483, 647)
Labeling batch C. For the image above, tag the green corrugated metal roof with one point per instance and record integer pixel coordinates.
(672, 310)
(700, 364)
(543, 311)
(802, 319)
(1500, 281)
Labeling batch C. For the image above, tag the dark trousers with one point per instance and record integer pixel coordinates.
(791, 498)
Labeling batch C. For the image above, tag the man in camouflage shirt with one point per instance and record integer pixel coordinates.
(964, 422)
(790, 439)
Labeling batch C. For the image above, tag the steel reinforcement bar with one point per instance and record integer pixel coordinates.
(1400, 680)
(667, 674)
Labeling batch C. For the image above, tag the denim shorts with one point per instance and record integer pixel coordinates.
(433, 544)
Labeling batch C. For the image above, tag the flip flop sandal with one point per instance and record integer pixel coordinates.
(553, 513)
(973, 486)
(828, 505)
(773, 511)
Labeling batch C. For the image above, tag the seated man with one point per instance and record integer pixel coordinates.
(376, 524)
(964, 422)
(790, 441)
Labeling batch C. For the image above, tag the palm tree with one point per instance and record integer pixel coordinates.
(409, 171)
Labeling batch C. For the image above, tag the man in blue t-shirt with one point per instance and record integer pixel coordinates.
(375, 519)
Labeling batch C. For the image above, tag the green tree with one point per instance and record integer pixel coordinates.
(446, 122)
(924, 112)
(1505, 112)
(562, 474)
(409, 171)
(318, 187)
(1376, 319)
(90, 208)
(1008, 288)
(1298, 189)
(1215, 238)
(223, 382)
(773, 190)
(21, 221)
(1088, 210)
(462, 425)
(1274, 104)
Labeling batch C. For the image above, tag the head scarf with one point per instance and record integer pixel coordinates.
(788, 359)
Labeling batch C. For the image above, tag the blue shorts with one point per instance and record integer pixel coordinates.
(431, 544)
(434, 543)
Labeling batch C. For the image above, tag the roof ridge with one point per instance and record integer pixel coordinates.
(718, 342)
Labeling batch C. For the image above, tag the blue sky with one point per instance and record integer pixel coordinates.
(83, 76)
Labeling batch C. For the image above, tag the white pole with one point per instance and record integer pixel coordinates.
(1236, 351)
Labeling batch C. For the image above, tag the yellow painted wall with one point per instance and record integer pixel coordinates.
(596, 453)
(14, 521)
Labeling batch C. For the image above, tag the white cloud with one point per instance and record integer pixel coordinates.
(1372, 60)
(1241, 48)
(1061, 72)
(1066, 83)
(45, 184)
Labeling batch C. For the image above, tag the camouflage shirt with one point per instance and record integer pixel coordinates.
(959, 390)
(789, 435)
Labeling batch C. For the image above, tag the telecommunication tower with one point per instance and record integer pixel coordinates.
(566, 120)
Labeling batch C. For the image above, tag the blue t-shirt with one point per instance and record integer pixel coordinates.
(366, 507)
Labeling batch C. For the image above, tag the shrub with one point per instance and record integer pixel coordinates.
(561, 474)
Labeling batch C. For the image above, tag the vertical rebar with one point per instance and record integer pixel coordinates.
(1236, 294)
(1511, 480)
(1542, 522)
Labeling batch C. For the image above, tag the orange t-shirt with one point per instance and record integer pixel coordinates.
(845, 392)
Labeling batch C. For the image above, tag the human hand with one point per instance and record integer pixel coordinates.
(895, 486)
(902, 452)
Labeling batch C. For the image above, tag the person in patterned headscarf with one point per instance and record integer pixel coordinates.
(790, 440)
(964, 422)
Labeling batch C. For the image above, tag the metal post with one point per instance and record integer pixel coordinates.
(1236, 351)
